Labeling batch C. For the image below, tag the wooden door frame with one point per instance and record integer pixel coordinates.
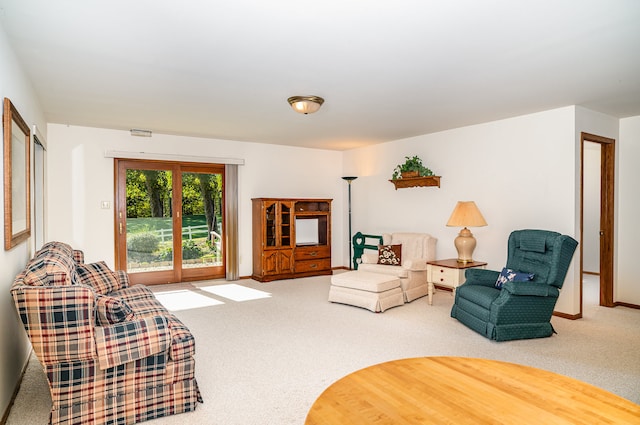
(607, 211)
(177, 274)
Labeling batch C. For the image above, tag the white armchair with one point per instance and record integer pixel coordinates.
(417, 249)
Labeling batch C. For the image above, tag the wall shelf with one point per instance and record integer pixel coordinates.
(416, 182)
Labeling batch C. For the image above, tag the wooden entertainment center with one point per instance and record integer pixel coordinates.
(291, 238)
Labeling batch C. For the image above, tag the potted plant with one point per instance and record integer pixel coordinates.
(412, 167)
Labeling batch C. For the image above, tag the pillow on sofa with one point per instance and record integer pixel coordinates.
(508, 275)
(99, 276)
(390, 255)
(111, 310)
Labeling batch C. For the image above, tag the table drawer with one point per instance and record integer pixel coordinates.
(312, 252)
(313, 265)
(445, 276)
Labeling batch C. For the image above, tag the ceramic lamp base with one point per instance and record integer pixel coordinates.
(465, 244)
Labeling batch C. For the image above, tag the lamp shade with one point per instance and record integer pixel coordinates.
(466, 214)
(305, 104)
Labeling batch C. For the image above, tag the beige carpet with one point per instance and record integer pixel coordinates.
(265, 351)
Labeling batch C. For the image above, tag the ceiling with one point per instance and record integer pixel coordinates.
(388, 69)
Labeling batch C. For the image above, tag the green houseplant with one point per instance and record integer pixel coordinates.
(412, 165)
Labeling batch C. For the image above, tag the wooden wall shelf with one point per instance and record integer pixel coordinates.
(416, 181)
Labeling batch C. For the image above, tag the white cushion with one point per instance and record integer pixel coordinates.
(414, 245)
(361, 280)
(384, 269)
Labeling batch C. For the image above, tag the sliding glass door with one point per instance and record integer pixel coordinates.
(169, 224)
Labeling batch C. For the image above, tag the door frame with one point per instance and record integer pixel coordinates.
(178, 273)
(607, 215)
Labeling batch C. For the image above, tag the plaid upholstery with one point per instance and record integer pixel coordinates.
(111, 310)
(53, 265)
(137, 369)
(78, 256)
(125, 342)
(123, 278)
(99, 277)
(133, 293)
(59, 321)
(130, 408)
(182, 342)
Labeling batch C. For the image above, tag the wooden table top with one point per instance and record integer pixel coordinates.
(459, 390)
(455, 264)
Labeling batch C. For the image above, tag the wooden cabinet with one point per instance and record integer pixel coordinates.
(291, 238)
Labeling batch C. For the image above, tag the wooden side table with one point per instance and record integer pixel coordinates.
(449, 273)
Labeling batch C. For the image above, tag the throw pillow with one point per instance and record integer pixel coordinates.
(111, 310)
(99, 276)
(390, 255)
(508, 275)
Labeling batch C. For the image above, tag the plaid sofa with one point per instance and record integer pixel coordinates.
(112, 353)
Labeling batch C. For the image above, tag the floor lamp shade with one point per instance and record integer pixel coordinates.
(466, 214)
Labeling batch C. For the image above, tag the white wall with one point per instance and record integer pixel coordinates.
(80, 177)
(628, 284)
(521, 172)
(14, 351)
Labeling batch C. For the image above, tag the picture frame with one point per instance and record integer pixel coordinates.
(17, 177)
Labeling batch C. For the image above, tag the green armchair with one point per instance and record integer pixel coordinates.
(520, 309)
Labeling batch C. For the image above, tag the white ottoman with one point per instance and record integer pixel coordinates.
(373, 291)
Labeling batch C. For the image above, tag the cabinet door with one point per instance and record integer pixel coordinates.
(270, 211)
(286, 261)
(286, 228)
(270, 262)
(277, 261)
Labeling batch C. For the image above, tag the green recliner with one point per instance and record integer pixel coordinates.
(520, 309)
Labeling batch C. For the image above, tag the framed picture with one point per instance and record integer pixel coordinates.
(17, 189)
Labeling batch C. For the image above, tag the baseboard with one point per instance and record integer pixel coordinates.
(568, 316)
(621, 304)
(5, 415)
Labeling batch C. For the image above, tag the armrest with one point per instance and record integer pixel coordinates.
(415, 264)
(129, 341)
(531, 288)
(481, 277)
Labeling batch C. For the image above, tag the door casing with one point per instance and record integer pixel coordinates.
(178, 274)
(607, 211)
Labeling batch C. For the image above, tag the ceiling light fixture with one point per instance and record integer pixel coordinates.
(305, 104)
(140, 133)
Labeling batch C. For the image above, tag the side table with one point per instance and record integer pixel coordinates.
(449, 273)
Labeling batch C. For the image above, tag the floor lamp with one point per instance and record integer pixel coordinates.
(349, 180)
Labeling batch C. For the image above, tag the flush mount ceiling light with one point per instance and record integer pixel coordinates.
(305, 104)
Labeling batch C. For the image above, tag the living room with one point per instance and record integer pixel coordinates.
(523, 171)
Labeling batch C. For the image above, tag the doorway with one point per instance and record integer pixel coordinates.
(169, 221)
(597, 214)
(39, 152)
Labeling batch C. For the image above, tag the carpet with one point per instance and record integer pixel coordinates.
(265, 351)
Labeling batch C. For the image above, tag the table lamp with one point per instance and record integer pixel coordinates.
(466, 213)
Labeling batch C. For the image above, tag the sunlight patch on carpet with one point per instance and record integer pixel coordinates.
(236, 292)
(185, 300)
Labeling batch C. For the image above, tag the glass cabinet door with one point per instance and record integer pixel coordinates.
(270, 225)
(285, 214)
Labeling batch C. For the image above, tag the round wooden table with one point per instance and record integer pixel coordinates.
(459, 390)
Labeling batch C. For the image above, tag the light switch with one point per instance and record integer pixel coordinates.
(105, 205)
